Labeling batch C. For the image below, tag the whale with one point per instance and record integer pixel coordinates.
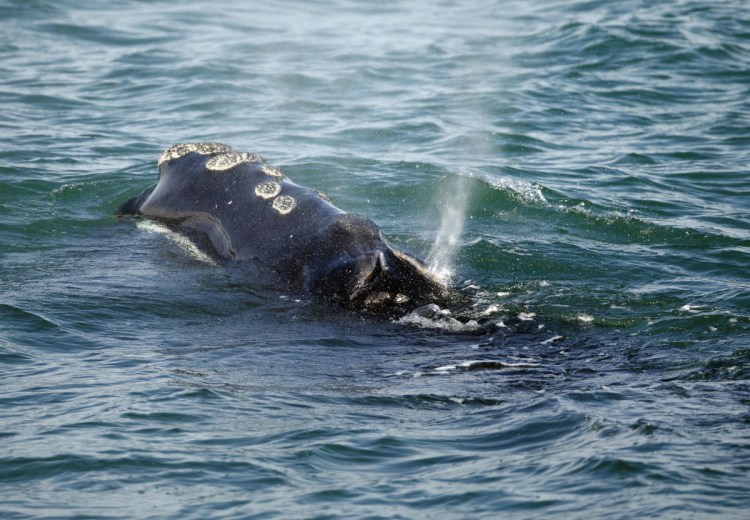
(242, 211)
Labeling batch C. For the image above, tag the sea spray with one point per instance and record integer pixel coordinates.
(453, 205)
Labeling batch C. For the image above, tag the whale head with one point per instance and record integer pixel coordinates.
(363, 271)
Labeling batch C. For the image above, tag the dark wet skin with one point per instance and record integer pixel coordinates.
(243, 210)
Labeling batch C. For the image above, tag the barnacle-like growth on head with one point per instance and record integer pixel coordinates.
(268, 190)
(284, 204)
(226, 161)
(180, 150)
(270, 170)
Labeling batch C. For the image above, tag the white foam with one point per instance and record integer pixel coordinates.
(492, 309)
(551, 340)
(432, 317)
(527, 191)
(467, 365)
(182, 241)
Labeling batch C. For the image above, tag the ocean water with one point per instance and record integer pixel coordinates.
(585, 166)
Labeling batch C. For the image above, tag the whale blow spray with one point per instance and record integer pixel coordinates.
(453, 207)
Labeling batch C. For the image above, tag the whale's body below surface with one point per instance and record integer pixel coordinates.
(241, 209)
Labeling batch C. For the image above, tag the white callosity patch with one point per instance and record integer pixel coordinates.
(323, 196)
(226, 161)
(268, 190)
(284, 204)
(270, 170)
(180, 150)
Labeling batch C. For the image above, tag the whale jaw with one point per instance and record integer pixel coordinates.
(383, 280)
